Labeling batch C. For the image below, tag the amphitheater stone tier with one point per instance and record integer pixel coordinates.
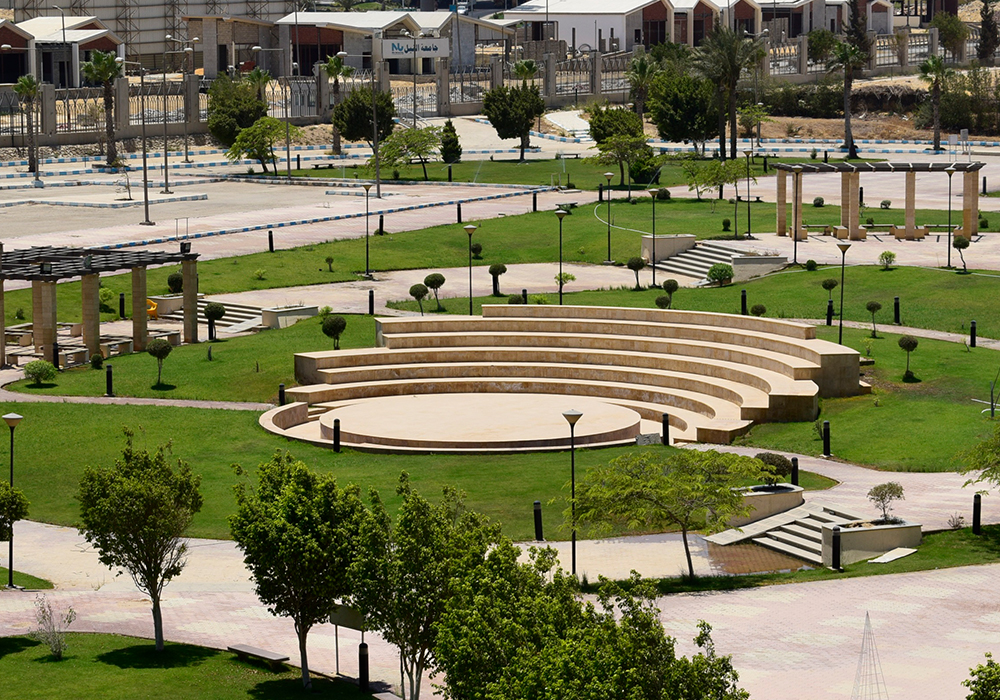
(500, 382)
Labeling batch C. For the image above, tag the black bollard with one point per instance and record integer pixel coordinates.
(984, 185)
(55, 353)
(336, 435)
(109, 381)
(665, 438)
(281, 394)
(458, 207)
(835, 553)
(121, 305)
(826, 156)
(270, 241)
(829, 312)
(765, 165)
(381, 225)
(826, 438)
(743, 302)
(895, 311)
(972, 334)
(977, 514)
(600, 191)
(363, 667)
(449, 173)
(861, 196)
(371, 302)
(298, 161)
(795, 471)
(524, 295)
(538, 521)
(534, 201)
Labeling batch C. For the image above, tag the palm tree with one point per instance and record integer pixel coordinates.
(934, 72)
(722, 58)
(848, 58)
(525, 69)
(641, 71)
(335, 68)
(103, 69)
(258, 79)
(26, 89)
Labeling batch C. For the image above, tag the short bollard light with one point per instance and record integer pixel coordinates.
(829, 312)
(109, 382)
(371, 302)
(665, 435)
(458, 212)
(281, 394)
(363, 667)
(972, 334)
(835, 553)
(524, 296)
(795, 471)
(121, 305)
(743, 302)
(977, 514)
(538, 522)
(270, 241)
(895, 311)
(826, 438)
(336, 435)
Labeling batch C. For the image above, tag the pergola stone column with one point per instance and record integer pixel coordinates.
(970, 204)
(43, 325)
(90, 296)
(799, 231)
(854, 199)
(781, 201)
(910, 220)
(3, 317)
(845, 199)
(36, 314)
(189, 270)
(139, 326)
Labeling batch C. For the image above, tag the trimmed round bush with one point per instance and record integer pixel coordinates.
(726, 224)
(663, 301)
(720, 273)
(885, 204)
(214, 311)
(477, 250)
(39, 371)
(811, 265)
(758, 309)
(175, 283)
(97, 361)
(663, 194)
(818, 202)
(780, 465)
(515, 299)
(333, 326)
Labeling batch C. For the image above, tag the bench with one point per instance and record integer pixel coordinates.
(323, 166)
(244, 652)
(172, 337)
(825, 229)
(72, 356)
(116, 346)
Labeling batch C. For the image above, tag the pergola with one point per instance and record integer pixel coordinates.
(45, 266)
(850, 179)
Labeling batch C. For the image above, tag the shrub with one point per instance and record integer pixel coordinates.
(477, 250)
(175, 283)
(813, 153)
(984, 680)
(883, 495)
(869, 221)
(818, 202)
(259, 273)
(160, 349)
(97, 361)
(19, 312)
(329, 263)
(214, 311)
(325, 311)
(873, 308)
(720, 273)
(636, 264)
(758, 309)
(829, 285)
(670, 286)
(779, 466)
(663, 194)
(984, 224)
(886, 258)
(106, 297)
(811, 265)
(538, 298)
(451, 149)
(418, 292)
(515, 299)
(885, 204)
(726, 224)
(39, 371)
(908, 344)
(333, 326)
(51, 629)
(434, 282)
(497, 269)
(663, 301)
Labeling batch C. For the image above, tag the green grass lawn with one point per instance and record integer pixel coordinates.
(32, 583)
(112, 667)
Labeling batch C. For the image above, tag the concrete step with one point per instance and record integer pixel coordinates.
(236, 314)
(789, 549)
(807, 529)
(697, 261)
(807, 543)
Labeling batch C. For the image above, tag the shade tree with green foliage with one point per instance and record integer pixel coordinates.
(984, 680)
(607, 120)
(512, 111)
(13, 507)
(298, 532)
(135, 514)
(961, 243)
(622, 151)
(257, 141)
(334, 327)
(232, 107)
(564, 278)
(451, 149)
(497, 269)
(353, 117)
(160, 349)
(684, 108)
(952, 31)
(907, 344)
(873, 307)
(434, 282)
(886, 258)
(102, 69)
(406, 145)
(720, 273)
(419, 292)
(821, 43)
(884, 495)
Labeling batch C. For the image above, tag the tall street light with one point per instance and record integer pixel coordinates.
(368, 269)
(562, 215)
(166, 150)
(142, 105)
(288, 118)
(378, 167)
(413, 69)
(748, 153)
(470, 229)
(12, 419)
(843, 258)
(951, 171)
(608, 176)
(652, 256)
(572, 417)
(189, 50)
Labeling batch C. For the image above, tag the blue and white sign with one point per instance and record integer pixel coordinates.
(426, 47)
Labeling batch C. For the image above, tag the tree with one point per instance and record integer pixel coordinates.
(418, 292)
(402, 147)
(298, 532)
(102, 69)
(258, 141)
(13, 507)
(622, 151)
(698, 175)
(935, 73)
(513, 110)
(829, 285)
(984, 680)
(641, 72)
(232, 106)
(258, 79)
(27, 90)
(857, 28)
(525, 69)
(214, 311)
(722, 58)
(883, 495)
(873, 308)
(477, 251)
(353, 116)
(778, 466)
(451, 149)
(335, 68)
(750, 117)
(821, 43)
(720, 273)
(135, 514)
(886, 258)
(39, 371)
(406, 569)
(960, 243)
(670, 286)
(435, 281)
(497, 269)
(333, 326)
(564, 278)
(848, 58)
(635, 264)
(908, 344)
(684, 108)
(329, 263)
(159, 348)
(654, 492)
(989, 34)
(607, 121)
(952, 31)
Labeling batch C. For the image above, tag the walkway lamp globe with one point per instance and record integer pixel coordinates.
(951, 171)
(11, 419)
(470, 229)
(572, 416)
(562, 215)
(843, 258)
(652, 256)
(608, 176)
(368, 269)
(748, 153)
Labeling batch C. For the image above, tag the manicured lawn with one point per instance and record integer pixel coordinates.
(32, 583)
(112, 667)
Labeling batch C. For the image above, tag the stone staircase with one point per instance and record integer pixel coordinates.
(238, 318)
(698, 260)
(796, 532)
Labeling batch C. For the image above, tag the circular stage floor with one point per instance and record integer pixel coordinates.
(478, 422)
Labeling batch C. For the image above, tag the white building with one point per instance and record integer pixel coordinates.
(597, 24)
(59, 44)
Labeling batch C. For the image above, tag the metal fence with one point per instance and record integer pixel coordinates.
(785, 58)
(357, 79)
(424, 99)
(303, 93)
(80, 109)
(468, 85)
(918, 48)
(160, 101)
(818, 66)
(13, 118)
(510, 79)
(886, 49)
(573, 75)
(614, 68)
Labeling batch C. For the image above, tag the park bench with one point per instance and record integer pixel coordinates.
(324, 166)
(825, 229)
(172, 337)
(244, 652)
(116, 346)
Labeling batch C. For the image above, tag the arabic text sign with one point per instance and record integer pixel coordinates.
(427, 47)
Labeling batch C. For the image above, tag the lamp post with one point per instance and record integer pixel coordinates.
(562, 215)
(4, 48)
(142, 105)
(760, 107)
(748, 153)
(608, 176)
(843, 258)
(951, 171)
(470, 229)
(368, 269)
(796, 197)
(378, 168)
(12, 419)
(166, 154)
(288, 118)
(572, 417)
(413, 69)
(189, 51)
(652, 256)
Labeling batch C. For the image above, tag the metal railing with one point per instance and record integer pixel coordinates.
(160, 99)
(425, 101)
(468, 85)
(918, 48)
(886, 50)
(573, 75)
(614, 70)
(13, 117)
(511, 80)
(785, 58)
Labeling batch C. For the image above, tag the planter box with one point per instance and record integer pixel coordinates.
(666, 246)
(860, 543)
(284, 316)
(768, 503)
(749, 266)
